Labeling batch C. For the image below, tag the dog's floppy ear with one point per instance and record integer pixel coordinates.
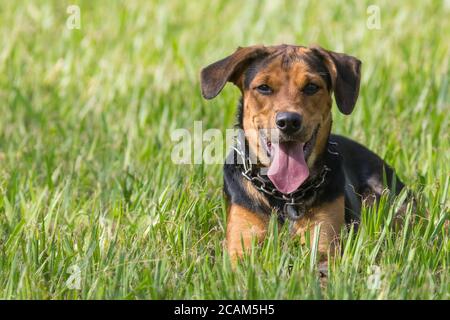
(214, 77)
(345, 72)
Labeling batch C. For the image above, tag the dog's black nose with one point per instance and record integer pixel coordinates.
(289, 122)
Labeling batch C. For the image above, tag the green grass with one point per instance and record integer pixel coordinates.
(86, 178)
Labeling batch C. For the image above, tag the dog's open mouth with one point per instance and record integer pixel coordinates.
(288, 169)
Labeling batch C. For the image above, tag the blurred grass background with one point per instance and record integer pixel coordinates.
(86, 178)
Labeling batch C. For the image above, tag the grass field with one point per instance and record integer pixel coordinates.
(91, 205)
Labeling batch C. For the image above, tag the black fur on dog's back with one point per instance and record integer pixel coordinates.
(366, 175)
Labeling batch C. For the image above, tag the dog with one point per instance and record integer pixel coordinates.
(313, 180)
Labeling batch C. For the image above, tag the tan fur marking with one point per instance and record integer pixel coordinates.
(330, 217)
(243, 225)
(322, 140)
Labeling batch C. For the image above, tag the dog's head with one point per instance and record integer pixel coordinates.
(286, 90)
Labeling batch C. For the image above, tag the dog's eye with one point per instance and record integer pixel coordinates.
(310, 89)
(264, 89)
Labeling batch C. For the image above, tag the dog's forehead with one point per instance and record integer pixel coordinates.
(287, 59)
(285, 55)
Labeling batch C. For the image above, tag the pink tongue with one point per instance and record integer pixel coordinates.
(288, 169)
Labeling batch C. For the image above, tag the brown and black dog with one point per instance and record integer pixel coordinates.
(312, 176)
